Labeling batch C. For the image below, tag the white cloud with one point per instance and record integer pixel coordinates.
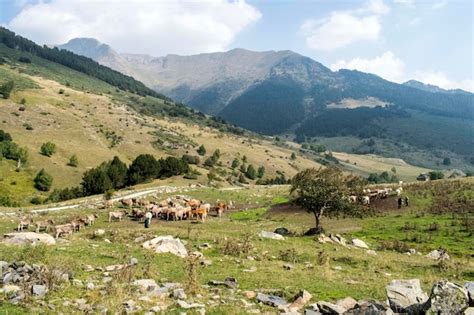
(441, 79)
(342, 28)
(140, 26)
(439, 5)
(387, 66)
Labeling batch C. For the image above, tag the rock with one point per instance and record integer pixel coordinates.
(329, 308)
(145, 284)
(186, 305)
(338, 239)
(139, 239)
(300, 300)
(179, 294)
(469, 286)
(106, 279)
(347, 303)
(155, 309)
(337, 268)
(77, 283)
(438, 254)
(271, 235)
(359, 243)
(323, 239)
(288, 266)
(114, 267)
(23, 238)
(10, 289)
(229, 282)
(282, 231)
(249, 294)
(469, 311)
(88, 268)
(406, 296)
(206, 262)
(369, 307)
(39, 290)
(90, 286)
(371, 252)
(251, 269)
(447, 298)
(271, 300)
(311, 312)
(99, 232)
(205, 246)
(133, 261)
(3, 266)
(167, 244)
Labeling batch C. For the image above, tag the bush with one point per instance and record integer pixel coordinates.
(191, 159)
(235, 163)
(213, 159)
(73, 161)
(36, 200)
(5, 136)
(251, 173)
(434, 175)
(261, 171)
(43, 181)
(24, 59)
(201, 150)
(48, 149)
(6, 89)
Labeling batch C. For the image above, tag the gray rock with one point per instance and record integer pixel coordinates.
(300, 300)
(330, 308)
(8, 277)
(186, 305)
(39, 290)
(167, 244)
(179, 294)
(368, 307)
(406, 296)
(359, 243)
(10, 289)
(206, 262)
(133, 261)
(23, 238)
(347, 303)
(145, 284)
(271, 235)
(438, 254)
(90, 286)
(271, 300)
(469, 286)
(3, 266)
(229, 282)
(469, 311)
(447, 298)
(288, 266)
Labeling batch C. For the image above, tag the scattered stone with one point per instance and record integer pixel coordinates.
(288, 266)
(3, 266)
(347, 303)
(205, 246)
(282, 231)
(447, 298)
(145, 284)
(114, 267)
(300, 300)
(23, 238)
(99, 232)
(106, 279)
(469, 286)
(337, 268)
(251, 269)
(39, 290)
(323, 239)
(359, 243)
(10, 289)
(469, 311)
(271, 235)
(369, 307)
(90, 286)
(133, 261)
(438, 254)
(186, 305)
(167, 244)
(371, 252)
(206, 262)
(271, 300)
(250, 294)
(139, 239)
(179, 294)
(229, 282)
(338, 239)
(406, 296)
(329, 308)
(77, 283)
(155, 309)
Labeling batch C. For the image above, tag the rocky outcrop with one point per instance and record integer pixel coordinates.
(23, 238)
(406, 296)
(167, 244)
(447, 298)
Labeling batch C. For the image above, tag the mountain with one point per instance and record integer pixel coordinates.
(432, 88)
(282, 92)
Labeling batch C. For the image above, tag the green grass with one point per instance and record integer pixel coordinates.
(248, 215)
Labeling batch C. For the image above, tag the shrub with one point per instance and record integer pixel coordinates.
(235, 163)
(201, 150)
(6, 89)
(48, 149)
(191, 159)
(261, 171)
(251, 173)
(24, 59)
(36, 200)
(43, 181)
(73, 161)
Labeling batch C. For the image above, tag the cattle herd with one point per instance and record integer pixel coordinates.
(177, 208)
(369, 195)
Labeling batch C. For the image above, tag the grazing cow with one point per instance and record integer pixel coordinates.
(116, 215)
(40, 225)
(202, 214)
(77, 224)
(158, 211)
(90, 219)
(64, 229)
(171, 213)
(24, 224)
(143, 202)
(194, 203)
(126, 202)
(138, 214)
(108, 204)
(220, 208)
(366, 200)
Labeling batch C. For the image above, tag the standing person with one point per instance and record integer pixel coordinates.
(406, 201)
(148, 217)
(399, 202)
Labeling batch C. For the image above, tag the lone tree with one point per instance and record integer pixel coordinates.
(48, 149)
(201, 150)
(324, 192)
(43, 181)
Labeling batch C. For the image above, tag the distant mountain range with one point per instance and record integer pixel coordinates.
(282, 92)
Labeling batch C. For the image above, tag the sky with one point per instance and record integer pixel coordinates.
(431, 41)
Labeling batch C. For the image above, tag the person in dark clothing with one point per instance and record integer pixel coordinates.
(399, 202)
(406, 201)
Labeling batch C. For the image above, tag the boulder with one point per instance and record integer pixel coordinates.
(338, 239)
(330, 308)
(228, 282)
(271, 300)
(369, 307)
(469, 311)
(406, 296)
(249, 294)
(186, 305)
(23, 238)
(371, 252)
(179, 294)
(438, 254)
(469, 286)
(447, 298)
(271, 235)
(39, 290)
(359, 243)
(167, 244)
(300, 300)
(145, 284)
(10, 289)
(99, 232)
(347, 303)
(282, 231)
(323, 239)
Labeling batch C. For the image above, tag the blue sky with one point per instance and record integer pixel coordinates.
(431, 41)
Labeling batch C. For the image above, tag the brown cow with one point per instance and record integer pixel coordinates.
(116, 215)
(40, 225)
(77, 224)
(220, 208)
(108, 204)
(64, 229)
(126, 202)
(24, 224)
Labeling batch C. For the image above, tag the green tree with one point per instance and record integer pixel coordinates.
(73, 161)
(48, 149)
(251, 173)
(261, 171)
(213, 159)
(6, 89)
(201, 150)
(235, 163)
(446, 161)
(5, 136)
(172, 166)
(243, 168)
(244, 159)
(242, 179)
(144, 168)
(117, 172)
(434, 175)
(43, 181)
(323, 192)
(293, 156)
(96, 181)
